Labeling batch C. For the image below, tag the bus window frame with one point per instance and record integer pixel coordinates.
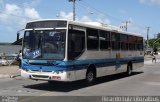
(116, 41)
(97, 39)
(78, 28)
(124, 42)
(107, 40)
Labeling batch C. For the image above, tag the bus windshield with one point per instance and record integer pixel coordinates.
(44, 44)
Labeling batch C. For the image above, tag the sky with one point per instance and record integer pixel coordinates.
(14, 14)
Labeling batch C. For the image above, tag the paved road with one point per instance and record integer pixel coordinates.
(143, 82)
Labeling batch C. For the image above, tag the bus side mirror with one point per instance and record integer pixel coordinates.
(18, 33)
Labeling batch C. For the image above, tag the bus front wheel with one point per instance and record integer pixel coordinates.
(90, 76)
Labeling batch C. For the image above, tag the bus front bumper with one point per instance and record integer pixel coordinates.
(49, 76)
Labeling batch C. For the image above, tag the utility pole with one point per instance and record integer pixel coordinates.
(126, 25)
(74, 9)
(126, 22)
(148, 28)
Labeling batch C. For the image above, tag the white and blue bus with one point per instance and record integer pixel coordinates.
(62, 50)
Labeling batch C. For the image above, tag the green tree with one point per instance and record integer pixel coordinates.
(158, 35)
(154, 43)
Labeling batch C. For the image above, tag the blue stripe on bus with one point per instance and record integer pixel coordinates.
(83, 64)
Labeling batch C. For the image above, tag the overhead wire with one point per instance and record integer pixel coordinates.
(87, 5)
(100, 12)
(15, 15)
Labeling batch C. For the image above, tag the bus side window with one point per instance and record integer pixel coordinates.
(105, 40)
(76, 43)
(124, 41)
(140, 43)
(115, 38)
(92, 39)
(132, 42)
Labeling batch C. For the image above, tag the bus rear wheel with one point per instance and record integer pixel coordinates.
(129, 70)
(90, 76)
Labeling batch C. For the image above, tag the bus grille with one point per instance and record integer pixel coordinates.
(40, 71)
(40, 76)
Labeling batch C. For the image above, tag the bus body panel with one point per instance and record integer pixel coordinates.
(107, 62)
(77, 69)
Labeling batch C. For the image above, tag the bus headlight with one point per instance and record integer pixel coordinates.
(58, 72)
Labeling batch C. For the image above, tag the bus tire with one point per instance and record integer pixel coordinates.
(90, 76)
(129, 70)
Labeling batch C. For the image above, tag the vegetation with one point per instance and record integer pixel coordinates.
(155, 43)
(5, 43)
(158, 35)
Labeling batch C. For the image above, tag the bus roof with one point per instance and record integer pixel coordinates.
(97, 25)
(102, 26)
